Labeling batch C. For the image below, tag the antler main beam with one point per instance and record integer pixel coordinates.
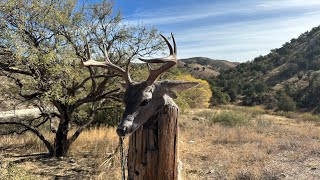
(107, 64)
(169, 61)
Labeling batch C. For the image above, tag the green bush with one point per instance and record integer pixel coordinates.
(254, 111)
(108, 117)
(219, 97)
(285, 102)
(230, 118)
(310, 117)
(304, 116)
(207, 114)
(225, 117)
(290, 115)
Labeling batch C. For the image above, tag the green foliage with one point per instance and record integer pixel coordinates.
(287, 68)
(230, 118)
(312, 96)
(253, 111)
(310, 117)
(109, 116)
(41, 48)
(290, 114)
(300, 116)
(225, 117)
(219, 97)
(207, 114)
(285, 102)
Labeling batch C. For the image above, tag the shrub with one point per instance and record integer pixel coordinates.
(310, 117)
(219, 97)
(253, 111)
(207, 114)
(197, 97)
(230, 118)
(291, 115)
(285, 102)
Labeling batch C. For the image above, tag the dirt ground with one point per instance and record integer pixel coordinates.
(269, 147)
(40, 167)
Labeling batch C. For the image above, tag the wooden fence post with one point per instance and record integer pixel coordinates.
(153, 147)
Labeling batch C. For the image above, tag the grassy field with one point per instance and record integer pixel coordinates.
(229, 142)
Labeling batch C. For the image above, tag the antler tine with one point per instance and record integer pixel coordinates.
(171, 57)
(168, 43)
(107, 64)
(169, 61)
(174, 45)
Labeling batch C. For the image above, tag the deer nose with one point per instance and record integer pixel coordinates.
(121, 131)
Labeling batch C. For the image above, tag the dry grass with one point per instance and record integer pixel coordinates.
(99, 144)
(92, 156)
(268, 147)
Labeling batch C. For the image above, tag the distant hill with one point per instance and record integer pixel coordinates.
(202, 67)
(293, 69)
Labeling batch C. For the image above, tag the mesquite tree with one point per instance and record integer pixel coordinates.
(42, 44)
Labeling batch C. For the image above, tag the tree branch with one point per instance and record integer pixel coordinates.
(94, 97)
(34, 130)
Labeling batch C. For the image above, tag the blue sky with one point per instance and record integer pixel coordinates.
(225, 29)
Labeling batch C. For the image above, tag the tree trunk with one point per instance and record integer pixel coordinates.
(61, 144)
(153, 147)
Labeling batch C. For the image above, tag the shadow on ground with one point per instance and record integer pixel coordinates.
(41, 165)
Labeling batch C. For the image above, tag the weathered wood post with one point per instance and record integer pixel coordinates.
(151, 116)
(153, 147)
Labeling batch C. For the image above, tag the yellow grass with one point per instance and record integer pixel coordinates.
(93, 152)
(254, 151)
(99, 143)
(268, 147)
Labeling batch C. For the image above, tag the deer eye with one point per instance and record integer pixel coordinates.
(145, 102)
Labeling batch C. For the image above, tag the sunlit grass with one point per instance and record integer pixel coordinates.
(264, 147)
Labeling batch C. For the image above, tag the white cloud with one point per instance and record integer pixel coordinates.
(244, 40)
(234, 39)
(277, 4)
(188, 13)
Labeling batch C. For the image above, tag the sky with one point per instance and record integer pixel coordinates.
(234, 30)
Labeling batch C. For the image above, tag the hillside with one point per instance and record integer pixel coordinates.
(202, 67)
(292, 71)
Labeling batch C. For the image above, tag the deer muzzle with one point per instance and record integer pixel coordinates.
(121, 131)
(125, 126)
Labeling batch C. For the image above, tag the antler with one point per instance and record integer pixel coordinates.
(169, 61)
(107, 64)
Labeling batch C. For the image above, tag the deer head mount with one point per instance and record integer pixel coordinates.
(143, 99)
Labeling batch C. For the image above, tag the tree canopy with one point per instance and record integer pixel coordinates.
(42, 44)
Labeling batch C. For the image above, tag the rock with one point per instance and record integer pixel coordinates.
(72, 161)
(211, 171)
(282, 175)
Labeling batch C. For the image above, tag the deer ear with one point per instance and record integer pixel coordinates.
(177, 86)
(172, 94)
